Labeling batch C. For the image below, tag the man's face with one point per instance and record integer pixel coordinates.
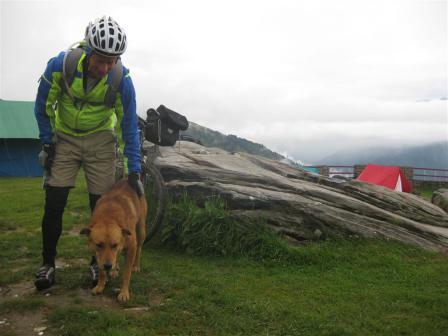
(99, 66)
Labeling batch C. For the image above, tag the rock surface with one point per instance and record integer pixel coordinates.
(440, 198)
(298, 204)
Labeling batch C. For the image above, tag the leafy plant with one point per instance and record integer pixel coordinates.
(212, 230)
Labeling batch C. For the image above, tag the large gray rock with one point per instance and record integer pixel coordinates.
(299, 204)
(440, 198)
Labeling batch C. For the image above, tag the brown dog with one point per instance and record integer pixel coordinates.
(118, 222)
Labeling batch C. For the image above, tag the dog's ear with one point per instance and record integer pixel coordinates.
(126, 232)
(85, 231)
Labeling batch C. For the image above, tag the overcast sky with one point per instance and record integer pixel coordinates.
(304, 78)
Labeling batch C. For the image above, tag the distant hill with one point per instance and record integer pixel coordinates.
(434, 155)
(230, 143)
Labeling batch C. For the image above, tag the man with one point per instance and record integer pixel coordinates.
(85, 98)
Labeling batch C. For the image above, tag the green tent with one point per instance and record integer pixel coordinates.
(19, 139)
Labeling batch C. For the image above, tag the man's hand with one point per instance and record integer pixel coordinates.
(46, 157)
(135, 183)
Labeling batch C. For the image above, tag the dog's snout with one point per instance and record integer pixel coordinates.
(107, 267)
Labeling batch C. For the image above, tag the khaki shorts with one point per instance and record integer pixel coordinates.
(94, 152)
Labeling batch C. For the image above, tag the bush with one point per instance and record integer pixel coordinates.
(212, 230)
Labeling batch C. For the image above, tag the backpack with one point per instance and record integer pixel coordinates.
(163, 125)
(70, 64)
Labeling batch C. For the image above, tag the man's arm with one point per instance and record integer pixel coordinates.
(47, 95)
(128, 123)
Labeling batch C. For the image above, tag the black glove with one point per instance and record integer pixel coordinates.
(136, 184)
(46, 156)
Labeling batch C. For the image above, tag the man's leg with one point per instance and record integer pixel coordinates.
(55, 202)
(63, 174)
(93, 198)
(94, 269)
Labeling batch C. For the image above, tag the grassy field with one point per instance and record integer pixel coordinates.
(336, 287)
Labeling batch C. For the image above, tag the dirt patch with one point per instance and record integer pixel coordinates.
(74, 262)
(82, 296)
(155, 299)
(22, 322)
(25, 288)
(34, 322)
(74, 231)
(16, 291)
(26, 324)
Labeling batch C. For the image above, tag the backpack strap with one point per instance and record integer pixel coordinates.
(116, 76)
(69, 66)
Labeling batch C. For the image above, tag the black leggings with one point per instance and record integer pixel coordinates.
(55, 202)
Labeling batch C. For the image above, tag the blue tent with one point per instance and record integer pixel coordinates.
(19, 139)
(312, 169)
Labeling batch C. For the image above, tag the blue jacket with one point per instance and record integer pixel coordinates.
(55, 110)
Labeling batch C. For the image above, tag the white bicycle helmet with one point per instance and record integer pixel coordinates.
(106, 37)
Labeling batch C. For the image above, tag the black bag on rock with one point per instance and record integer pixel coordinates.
(163, 126)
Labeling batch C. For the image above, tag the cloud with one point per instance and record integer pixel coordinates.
(310, 141)
(314, 75)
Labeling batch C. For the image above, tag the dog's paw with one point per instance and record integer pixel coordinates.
(113, 274)
(123, 296)
(136, 269)
(97, 290)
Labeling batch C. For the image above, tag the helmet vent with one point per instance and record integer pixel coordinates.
(106, 37)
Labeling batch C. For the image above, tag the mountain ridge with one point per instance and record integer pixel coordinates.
(432, 155)
(230, 143)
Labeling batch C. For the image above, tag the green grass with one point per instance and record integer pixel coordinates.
(201, 278)
(426, 191)
(211, 230)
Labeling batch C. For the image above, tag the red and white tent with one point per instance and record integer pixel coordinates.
(389, 177)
